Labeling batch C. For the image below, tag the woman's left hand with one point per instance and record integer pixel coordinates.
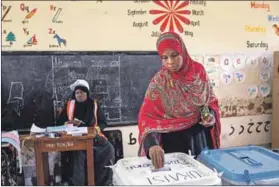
(76, 122)
(209, 121)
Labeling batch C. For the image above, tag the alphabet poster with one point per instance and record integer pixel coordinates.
(205, 26)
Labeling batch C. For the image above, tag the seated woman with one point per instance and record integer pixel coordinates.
(180, 111)
(84, 111)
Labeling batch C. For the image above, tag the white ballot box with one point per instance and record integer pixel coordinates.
(179, 169)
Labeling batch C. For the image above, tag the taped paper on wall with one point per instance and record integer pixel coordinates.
(252, 91)
(264, 89)
(239, 77)
(227, 77)
(251, 62)
(239, 62)
(226, 63)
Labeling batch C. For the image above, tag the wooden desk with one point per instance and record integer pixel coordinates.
(65, 143)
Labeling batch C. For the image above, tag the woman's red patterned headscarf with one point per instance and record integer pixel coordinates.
(173, 100)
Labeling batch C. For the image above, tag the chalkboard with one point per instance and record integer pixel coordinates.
(35, 85)
(25, 96)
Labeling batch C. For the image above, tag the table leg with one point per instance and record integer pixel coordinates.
(39, 166)
(46, 167)
(90, 163)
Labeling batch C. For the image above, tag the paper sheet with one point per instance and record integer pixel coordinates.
(77, 130)
(35, 129)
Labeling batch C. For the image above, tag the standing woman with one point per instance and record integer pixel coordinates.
(84, 111)
(180, 111)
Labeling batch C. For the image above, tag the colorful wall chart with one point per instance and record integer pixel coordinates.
(206, 26)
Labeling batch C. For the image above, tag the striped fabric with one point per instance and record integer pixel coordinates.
(12, 138)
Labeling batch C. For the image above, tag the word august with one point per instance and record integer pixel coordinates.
(140, 24)
(257, 45)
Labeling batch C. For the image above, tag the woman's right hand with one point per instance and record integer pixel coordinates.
(74, 122)
(69, 122)
(156, 153)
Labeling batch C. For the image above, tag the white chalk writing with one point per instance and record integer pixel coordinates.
(16, 96)
(99, 75)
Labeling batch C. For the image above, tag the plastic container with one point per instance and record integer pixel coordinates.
(247, 165)
(179, 169)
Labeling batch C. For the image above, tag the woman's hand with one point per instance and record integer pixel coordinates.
(208, 121)
(74, 122)
(156, 154)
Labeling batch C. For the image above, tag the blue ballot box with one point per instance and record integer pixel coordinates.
(247, 165)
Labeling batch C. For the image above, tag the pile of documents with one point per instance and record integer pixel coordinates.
(69, 129)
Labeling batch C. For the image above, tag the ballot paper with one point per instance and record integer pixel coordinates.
(161, 169)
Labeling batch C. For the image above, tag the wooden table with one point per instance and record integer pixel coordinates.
(44, 145)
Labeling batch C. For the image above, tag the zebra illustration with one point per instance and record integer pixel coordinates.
(60, 40)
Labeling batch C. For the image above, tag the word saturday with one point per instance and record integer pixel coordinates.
(260, 44)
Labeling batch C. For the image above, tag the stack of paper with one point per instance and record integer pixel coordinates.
(77, 130)
(70, 129)
(60, 128)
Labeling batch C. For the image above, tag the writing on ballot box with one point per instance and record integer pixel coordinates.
(179, 169)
